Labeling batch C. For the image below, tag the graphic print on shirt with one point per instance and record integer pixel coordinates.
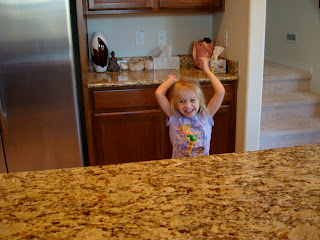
(190, 137)
(190, 134)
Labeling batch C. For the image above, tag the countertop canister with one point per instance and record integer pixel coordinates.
(99, 52)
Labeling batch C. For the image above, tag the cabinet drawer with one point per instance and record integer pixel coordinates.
(128, 98)
(209, 4)
(228, 97)
(112, 4)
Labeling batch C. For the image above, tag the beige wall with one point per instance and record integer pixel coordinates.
(244, 20)
(303, 18)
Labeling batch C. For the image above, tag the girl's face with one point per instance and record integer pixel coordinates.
(188, 104)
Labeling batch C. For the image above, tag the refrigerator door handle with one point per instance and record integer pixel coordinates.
(2, 120)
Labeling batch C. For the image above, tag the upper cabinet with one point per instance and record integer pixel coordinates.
(153, 6)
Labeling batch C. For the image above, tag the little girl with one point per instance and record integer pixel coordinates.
(189, 119)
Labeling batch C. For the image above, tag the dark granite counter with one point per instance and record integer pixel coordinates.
(269, 194)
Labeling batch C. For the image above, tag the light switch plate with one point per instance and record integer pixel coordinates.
(225, 39)
(162, 37)
(139, 38)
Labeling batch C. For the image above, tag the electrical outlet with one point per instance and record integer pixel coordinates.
(139, 38)
(162, 37)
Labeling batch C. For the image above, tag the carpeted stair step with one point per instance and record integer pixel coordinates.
(279, 78)
(275, 71)
(289, 132)
(290, 105)
(280, 86)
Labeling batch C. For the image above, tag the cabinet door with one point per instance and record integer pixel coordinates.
(128, 136)
(190, 4)
(119, 4)
(223, 131)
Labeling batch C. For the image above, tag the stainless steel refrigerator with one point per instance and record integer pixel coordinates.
(40, 90)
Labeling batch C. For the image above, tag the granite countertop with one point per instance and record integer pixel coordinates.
(155, 77)
(268, 194)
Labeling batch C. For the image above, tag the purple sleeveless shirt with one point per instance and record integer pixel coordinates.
(190, 137)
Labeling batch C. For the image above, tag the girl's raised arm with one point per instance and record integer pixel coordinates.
(162, 91)
(219, 91)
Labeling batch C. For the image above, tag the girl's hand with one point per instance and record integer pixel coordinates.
(161, 92)
(205, 64)
(172, 78)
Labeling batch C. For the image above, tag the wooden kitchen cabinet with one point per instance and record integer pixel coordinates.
(129, 126)
(128, 136)
(153, 6)
(223, 131)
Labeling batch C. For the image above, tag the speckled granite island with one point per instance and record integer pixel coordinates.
(269, 194)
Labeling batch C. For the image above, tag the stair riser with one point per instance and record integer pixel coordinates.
(284, 124)
(286, 86)
(269, 142)
(290, 112)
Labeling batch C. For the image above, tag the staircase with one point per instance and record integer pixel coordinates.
(290, 114)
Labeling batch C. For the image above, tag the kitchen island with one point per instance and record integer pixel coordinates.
(269, 194)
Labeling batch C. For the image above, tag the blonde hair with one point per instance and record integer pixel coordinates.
(174, 93)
